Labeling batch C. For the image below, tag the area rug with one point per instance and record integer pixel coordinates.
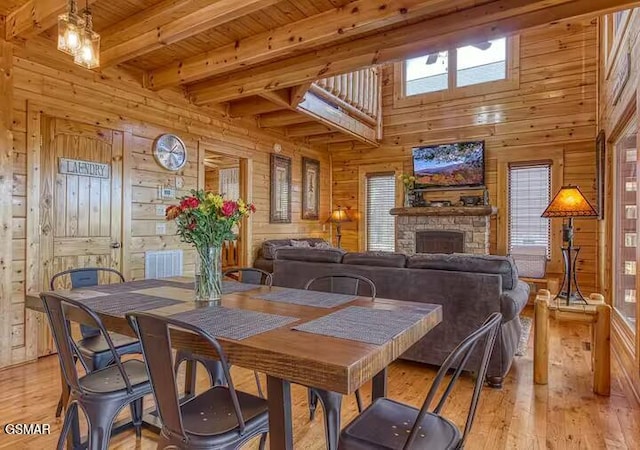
(526, 322)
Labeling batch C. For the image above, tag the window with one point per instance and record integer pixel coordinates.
(529, 195)
(481, 63)
(229, 183)
(625, 233)
(381, 228)
(470, 65)
(427, 73)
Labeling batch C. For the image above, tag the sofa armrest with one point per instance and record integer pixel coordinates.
(513, 301)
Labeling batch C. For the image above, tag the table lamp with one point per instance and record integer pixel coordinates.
(339, 216)
(569, 202)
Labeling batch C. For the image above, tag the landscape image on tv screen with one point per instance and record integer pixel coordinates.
(460, 164)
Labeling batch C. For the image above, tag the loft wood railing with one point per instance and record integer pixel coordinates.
(230, 255)
(358, 93)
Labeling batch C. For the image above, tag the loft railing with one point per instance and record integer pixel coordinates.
(230, 257)
(358, 93)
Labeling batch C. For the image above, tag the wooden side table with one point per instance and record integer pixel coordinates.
(596, 313)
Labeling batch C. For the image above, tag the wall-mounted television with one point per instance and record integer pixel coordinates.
(449, 165)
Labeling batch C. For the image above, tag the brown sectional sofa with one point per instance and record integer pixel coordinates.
(469, 287)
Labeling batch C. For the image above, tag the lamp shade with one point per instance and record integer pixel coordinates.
(569, 202)
(339, 216)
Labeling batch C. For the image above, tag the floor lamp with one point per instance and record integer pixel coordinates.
(568, 203)
(339, 216)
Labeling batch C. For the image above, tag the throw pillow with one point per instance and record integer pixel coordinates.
(300, 244)
(323, 245)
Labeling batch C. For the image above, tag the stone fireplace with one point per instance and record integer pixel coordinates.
(443, 229)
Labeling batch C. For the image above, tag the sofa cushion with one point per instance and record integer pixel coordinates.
(329, 255)
(380, 259)
(269, 247)
(501, 265)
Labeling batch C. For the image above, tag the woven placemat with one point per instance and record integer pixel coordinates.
(120, 304)
(308, 298)
(229, 287)
(137, 285)
(230, 323)
(357, 323)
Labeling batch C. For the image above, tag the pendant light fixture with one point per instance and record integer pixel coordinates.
(88, 54)
(70, 27)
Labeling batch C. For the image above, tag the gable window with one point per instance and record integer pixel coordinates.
(381, 228)
(529, 195)
(481, 63)
(488, 66)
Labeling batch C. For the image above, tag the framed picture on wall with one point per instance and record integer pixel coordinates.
(601, 155)
(280, 191)
(310, 189)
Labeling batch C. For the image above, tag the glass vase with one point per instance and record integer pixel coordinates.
(208, 286)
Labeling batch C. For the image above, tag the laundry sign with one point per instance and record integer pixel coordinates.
(85, 168)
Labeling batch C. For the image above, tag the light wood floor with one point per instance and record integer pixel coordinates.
(563, 415)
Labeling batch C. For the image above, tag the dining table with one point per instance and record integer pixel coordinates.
(332, 342)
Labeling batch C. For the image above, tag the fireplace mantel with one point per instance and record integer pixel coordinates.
(446, 211)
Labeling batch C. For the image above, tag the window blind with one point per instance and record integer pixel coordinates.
(529, 195)
(229, 183)
(381, 229)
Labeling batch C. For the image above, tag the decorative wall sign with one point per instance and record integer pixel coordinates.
(621, 76)
(84, 168)
(601, 144)
(310, 189)
(280, 189)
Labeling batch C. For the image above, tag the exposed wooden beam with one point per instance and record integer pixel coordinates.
(308, 129)
(282, 119)
(175, 28)
(252, 107)
(352, 20)
(297, 94)
(34, 17)
(486, 21)
(280, 97)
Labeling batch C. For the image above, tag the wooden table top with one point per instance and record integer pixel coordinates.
(324, 362)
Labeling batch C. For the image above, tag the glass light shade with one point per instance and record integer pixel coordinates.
(88, 55)
(338, 216)
(70, 29)
(569, 202)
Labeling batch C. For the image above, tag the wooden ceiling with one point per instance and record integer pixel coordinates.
(242, 52)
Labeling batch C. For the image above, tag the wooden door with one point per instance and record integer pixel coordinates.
(81, 202)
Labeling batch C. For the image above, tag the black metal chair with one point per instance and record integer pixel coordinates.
(93, 348)
(344, 283)
(387, 424)
(248, 275)
(100, 393)
(220, 417)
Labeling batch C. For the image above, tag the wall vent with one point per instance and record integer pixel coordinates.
(161, 264)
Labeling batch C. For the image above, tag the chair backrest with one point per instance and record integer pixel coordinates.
(250, 275)
(153, 331)
(344, 283)
(58, 309)
(84, 277)
(461, 354)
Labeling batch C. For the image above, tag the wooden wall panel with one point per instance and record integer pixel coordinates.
(554, 109)
(46, 81)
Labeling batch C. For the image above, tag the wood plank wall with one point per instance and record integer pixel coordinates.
(613, 118)
(553, 112)
(45, 79)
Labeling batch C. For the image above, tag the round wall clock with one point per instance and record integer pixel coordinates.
(170, 152)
